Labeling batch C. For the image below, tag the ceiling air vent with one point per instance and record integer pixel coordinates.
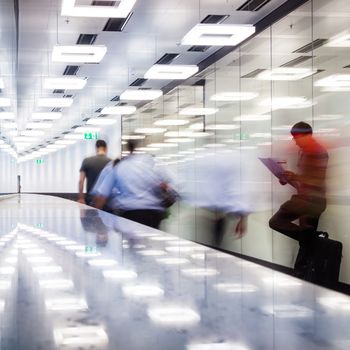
(215, 19)
(297, 61)
(86, 39)
(167, 58)
(116, 24)
(253, 74)
(200, 82)
(138, 82)
(103, 3)
(198, 48)
(347, 66)
(57, 109)
(115, 98)
(71, 70)
(253, 5)
(57, 91)
(98, 110)
(311, 46)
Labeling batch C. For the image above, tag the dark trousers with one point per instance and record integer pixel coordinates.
(148, 217)
(308, 211)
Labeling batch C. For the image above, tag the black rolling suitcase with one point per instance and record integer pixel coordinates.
(324, 266)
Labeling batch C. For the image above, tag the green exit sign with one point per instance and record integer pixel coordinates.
(91, 136)
(39, 161)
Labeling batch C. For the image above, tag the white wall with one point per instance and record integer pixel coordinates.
(8, 171)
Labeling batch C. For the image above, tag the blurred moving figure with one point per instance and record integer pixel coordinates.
(310, 201)
(218, 193)
(90, 170)
(138, 183)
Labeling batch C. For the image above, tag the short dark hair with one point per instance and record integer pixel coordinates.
(131, 145)
(301, 128)
(101, 144)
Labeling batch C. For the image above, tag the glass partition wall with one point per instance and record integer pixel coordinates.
(296, 70)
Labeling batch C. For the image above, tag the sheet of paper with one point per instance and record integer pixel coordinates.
(274, 166)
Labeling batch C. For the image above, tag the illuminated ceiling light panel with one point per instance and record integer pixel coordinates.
(81, 336)
(34, 251)
(79, 53)
(171, 122)
(75, 248)
(7, 115)
(65, 142)
(200, 272)
(222, 127)
(150, 130)
(66, 242)
(198, 111)
(39, 259)
(173, 315)
(335, 302)
(287, 102)
(233, 96)
(264, 135)
(84, 254)
(334, 83)
(146, 149)
(282, 281)
(65, 83)
(217, 34)
(10, 125)
(101, 121)
(66, 304)
(39, 125)
(288, 311)
(286, 73)
(70, 9)
(74, 137)
(32, 133)
(340, 40)
(163, 238)
(171, 71)
(60, 102)
(152, 252)
(47, 269)
(84, 129)
(162, 145)
(216, 346)
(133, 137)
(4, 285)
(119, 274)
(5, 102)
(172, 261)
(235, 288)
(141, 291)
(327, 117)
(47, 116)
(178, 134)
(141, 95)
(8, 270)
(11, 260)
(101, 262)
(252, 117)
(119, 110)
(56, 284)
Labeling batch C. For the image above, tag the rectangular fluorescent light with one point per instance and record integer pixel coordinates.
(79, 53)
(7, 115)
(334, 81)
(340, 40)
(47, 116)
(252, 118)
(173, 315)
(55, 146)
(10, 125)
(70, 9)
(233, 96)
(55, 102)
(150, 130)
(173, 72)
(66, 304)
(32, 133)
(65, 83)
(39, 125)
(119, 110)
(217, 34)
(5, 102)
(141, 95)
(74, 137)
(65, 142)
(198, 111)
(24, 139)
(287, 102)
(286, 73)
(84, 129)
(101, 121)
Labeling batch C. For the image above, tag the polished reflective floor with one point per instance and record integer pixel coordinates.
(75, 277)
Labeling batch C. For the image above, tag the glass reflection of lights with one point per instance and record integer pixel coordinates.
(4, 285)
(173, 316)
(47, 269)
(140, 291)
(39, 259)
(288, 311)
(335, 302)
(163, 238)
(7, 270)
(199, 272)
(282, 281)
(66, 304)
(84, 254)
(172, 261)
(64, 243)
(80, 336)
(56, 284)
(75, 248)
(33, 251)
(152, 252)
(216, 346)
(198, 256)
(119, 274)
(11, 260)
(235, 288)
